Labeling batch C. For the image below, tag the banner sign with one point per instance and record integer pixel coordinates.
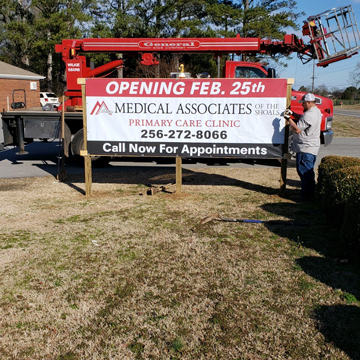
(186, 117)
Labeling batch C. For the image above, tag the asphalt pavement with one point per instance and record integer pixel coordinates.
(347, 112)
(43, 159)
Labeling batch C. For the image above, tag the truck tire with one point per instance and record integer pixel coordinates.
(77, 144)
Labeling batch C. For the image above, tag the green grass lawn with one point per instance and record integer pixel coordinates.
(124, 276)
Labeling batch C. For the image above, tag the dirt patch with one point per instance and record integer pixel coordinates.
(13, 184)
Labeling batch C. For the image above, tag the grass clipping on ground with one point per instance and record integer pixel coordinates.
(123, 276)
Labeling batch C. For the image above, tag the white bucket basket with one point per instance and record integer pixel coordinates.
(334, 35)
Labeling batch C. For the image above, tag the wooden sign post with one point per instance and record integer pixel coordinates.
(84, 152)
(178, 174)
(284, 160)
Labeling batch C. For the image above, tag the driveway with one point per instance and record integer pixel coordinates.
(43, 160)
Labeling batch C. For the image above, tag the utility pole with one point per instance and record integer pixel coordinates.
(313, 78)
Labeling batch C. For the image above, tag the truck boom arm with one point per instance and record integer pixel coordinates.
(238, 45)
(77, 66)
(331, 40)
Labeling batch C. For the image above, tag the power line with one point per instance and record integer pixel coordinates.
(328, 71)
(328, 86)
(343, 69)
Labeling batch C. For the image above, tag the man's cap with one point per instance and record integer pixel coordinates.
(307, 97)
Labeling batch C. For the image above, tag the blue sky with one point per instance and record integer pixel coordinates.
(334, 75)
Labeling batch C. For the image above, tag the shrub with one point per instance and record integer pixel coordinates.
(339, 192)
(350, 230)
(328, 165)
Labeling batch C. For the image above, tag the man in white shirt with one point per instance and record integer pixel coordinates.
(306, 143)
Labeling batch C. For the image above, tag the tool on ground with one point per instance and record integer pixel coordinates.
(153, 189)
(218, 217)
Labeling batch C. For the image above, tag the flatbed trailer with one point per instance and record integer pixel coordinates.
(22, 127)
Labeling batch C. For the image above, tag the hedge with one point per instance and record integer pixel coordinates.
(339, 191)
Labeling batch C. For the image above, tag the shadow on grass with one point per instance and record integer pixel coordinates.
(316, 234)
(340, 324)
(165, 175)
(333, 273)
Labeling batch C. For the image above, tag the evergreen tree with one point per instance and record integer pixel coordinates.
(305, 88)
(16, 36)
(30, 30)
(350, 93)
(268, 18)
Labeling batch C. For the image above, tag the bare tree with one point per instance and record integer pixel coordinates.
(354, 77)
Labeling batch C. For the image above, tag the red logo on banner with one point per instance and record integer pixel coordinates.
(100, 108)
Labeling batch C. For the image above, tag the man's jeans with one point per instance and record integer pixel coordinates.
(305, 168)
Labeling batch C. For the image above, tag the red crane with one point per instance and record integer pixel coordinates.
(334, 36)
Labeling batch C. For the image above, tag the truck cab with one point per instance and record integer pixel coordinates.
(250, 70)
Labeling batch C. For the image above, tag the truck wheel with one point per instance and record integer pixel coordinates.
(77, 144)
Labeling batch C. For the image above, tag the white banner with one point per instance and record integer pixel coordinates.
(124, 116)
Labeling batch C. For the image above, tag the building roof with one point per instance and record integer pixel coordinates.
(8, 71)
